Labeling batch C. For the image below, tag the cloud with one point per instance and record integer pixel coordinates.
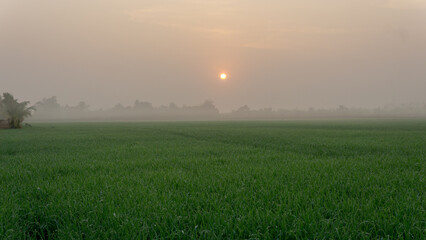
(225, 23)
(197, 18)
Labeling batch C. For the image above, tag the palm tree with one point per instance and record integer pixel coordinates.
(15, 111)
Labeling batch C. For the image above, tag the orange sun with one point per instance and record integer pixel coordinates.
(223, 76)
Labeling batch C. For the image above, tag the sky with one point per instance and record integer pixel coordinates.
(276, 53)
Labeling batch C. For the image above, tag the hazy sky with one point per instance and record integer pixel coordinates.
(277, 53)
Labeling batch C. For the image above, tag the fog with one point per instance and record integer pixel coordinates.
(277, 54)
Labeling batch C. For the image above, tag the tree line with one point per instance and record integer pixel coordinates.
(50, 109)
(13, 112)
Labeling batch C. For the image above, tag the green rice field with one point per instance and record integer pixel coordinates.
(349, 179)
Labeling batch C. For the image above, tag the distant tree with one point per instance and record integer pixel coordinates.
(48, 104)
(244, 108)
(142, 105)
(173, 106)
(118, 107)
(82, 106)
(48, 107)
(208, 105)
(342, 108)
(15, 111)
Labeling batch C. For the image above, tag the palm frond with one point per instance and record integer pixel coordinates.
(14, 110)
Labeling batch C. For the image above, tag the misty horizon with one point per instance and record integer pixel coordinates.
(154, 105)
(49, 109)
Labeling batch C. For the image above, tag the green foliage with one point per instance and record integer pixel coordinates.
(14, 111)
(2, 113)
(214, 180)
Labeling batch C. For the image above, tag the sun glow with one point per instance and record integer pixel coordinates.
(223, 76)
